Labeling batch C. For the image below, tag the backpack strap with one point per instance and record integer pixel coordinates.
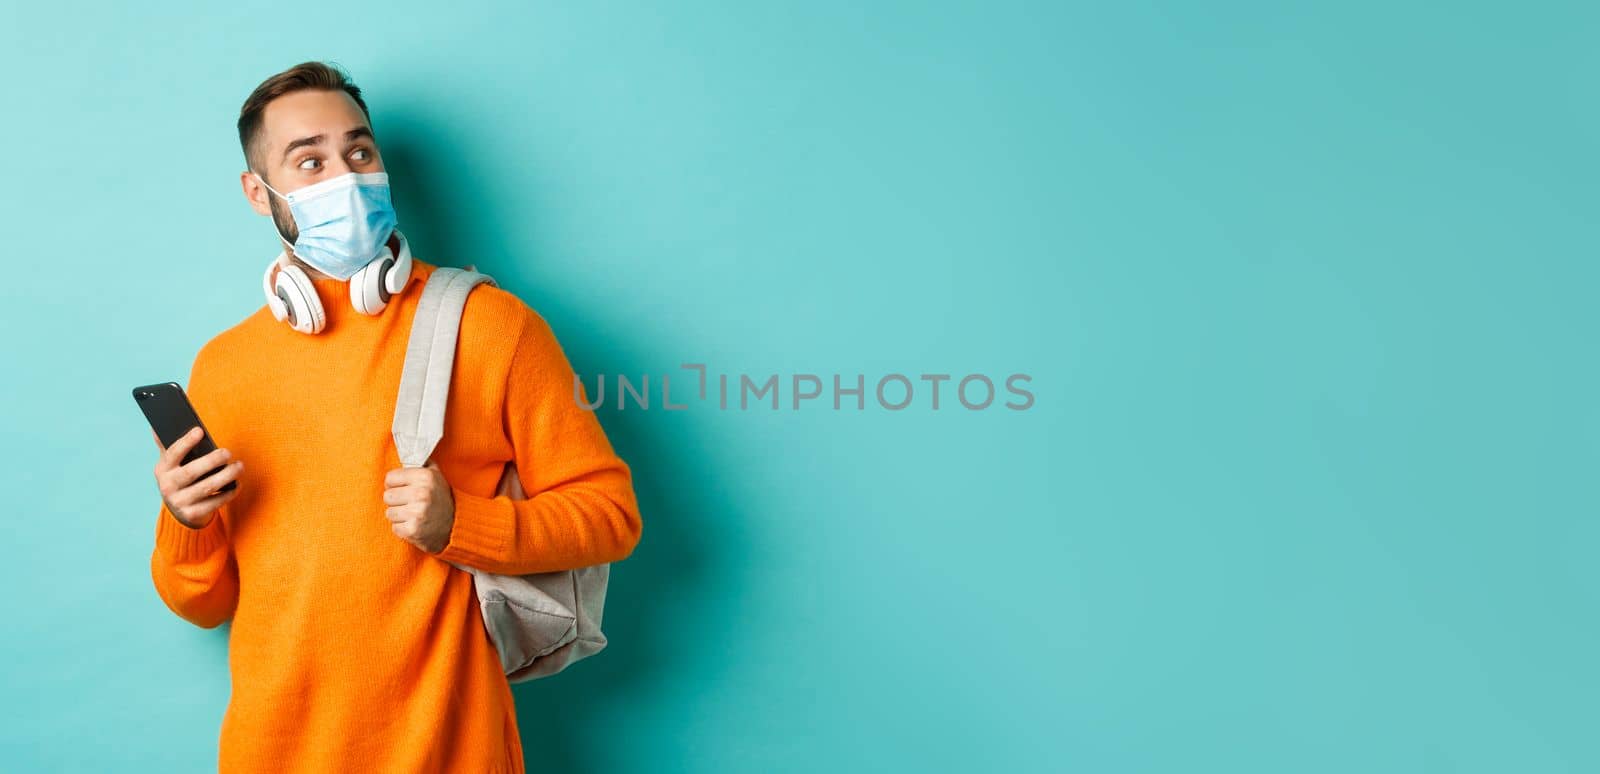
(430, 355)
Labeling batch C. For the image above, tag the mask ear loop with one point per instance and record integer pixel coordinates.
(286, 243)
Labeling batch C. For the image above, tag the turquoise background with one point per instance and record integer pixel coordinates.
(1306, 292)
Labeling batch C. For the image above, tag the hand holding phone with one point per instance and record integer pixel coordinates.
(193, 475)
(191, 490)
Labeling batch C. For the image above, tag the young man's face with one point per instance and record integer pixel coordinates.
(307, 137)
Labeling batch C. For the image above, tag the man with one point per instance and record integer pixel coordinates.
(355, 644)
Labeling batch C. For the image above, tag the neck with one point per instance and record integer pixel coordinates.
(311, 272)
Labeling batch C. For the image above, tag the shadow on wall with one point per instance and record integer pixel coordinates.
(569, 721)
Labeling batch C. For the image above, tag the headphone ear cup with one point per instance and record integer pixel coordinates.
(367, 293)
(298, 294)
(274, 303)
(394, 280)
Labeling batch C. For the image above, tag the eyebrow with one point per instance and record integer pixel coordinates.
(316, 139)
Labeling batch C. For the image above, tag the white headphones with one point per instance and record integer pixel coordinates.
(293, 298)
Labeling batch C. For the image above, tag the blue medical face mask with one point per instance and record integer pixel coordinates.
(343, 221)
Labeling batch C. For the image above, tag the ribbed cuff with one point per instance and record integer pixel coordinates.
(180, 543)
(482, 529)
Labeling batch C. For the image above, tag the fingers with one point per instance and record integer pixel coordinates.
(216, 480)
(403, 513)
(407, 493)
(184, 476)
(213, 502)
(172, 455)
(409, 476)
(406, 531)
(407, 503)
(192, 504)
(188, 484)
(399, 476)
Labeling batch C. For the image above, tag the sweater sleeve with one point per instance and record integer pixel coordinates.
(580, 508)
(194, 570)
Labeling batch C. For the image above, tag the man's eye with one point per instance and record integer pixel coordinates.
(361, 154)
(309, 164)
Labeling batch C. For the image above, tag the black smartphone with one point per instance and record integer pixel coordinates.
(171, 415)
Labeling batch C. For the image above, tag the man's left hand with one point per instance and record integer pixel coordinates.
(421, 509)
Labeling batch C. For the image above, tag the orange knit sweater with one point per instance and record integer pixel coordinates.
(351, 649)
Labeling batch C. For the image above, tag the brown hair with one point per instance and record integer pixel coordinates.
(306, 75)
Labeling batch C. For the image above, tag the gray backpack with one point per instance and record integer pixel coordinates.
(539, 623)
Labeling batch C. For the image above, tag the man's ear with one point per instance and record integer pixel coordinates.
(255, 193)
